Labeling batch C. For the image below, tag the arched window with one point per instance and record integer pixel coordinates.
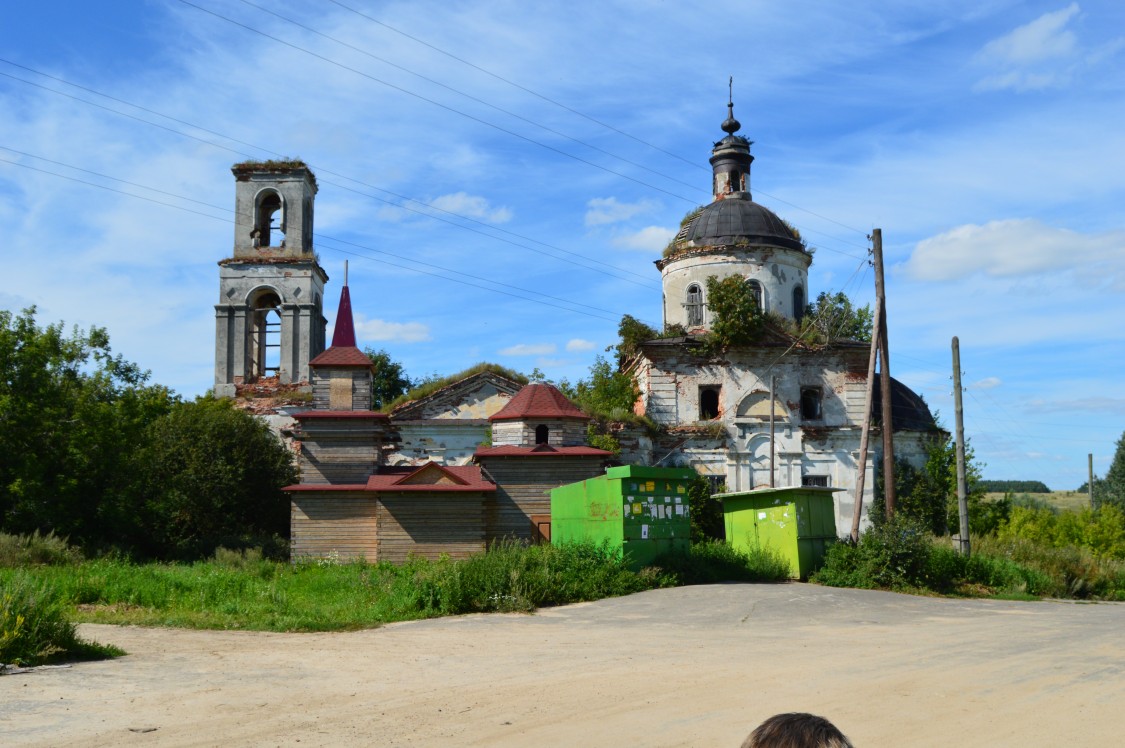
(694, 305)
(265, 336)
(756, 291)
(798, 303)
(541, 434)
(269, 218)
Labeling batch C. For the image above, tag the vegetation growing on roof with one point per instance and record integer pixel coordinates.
(429, 385)
(281, 164)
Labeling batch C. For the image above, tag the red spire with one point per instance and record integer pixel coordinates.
(343, 334)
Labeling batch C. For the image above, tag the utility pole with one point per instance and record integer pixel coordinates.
(869, 395)
(884, 376)
(962, 500)
(1090, 479)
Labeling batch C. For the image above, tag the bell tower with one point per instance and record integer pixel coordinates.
(269, 322)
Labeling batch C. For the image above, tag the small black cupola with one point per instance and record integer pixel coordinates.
(730, 158)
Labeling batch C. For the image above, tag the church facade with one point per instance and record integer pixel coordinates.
(777, 412)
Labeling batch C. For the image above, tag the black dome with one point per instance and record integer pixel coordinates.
(738, 221)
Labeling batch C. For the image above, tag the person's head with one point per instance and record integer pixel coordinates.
(796, 730)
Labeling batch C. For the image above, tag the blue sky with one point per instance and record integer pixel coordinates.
(984, 138)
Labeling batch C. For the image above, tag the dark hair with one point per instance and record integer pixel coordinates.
(796, 730)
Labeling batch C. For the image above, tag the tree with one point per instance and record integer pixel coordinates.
(928, 495)
(1111, 489)
(389, 378)
(209, 475)
(607, 391)
(736, 318)
(631, 333)
(834, 317)
(70, 415)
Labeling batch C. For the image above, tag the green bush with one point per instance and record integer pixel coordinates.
(33, 628)
(1067, 571)
(894, 554)
(1101, 530)
(36, 550)
(710, 562)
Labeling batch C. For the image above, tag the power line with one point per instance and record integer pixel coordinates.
(469, 96)
(446, 107)
(517, 85)
(323, 236)
(320, 169)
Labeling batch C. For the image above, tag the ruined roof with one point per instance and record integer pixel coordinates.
(539, 400)
(456, 391)
(909, 411)
(541, 450)
(371, 414)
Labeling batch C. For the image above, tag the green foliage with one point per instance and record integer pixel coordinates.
(1100, 531)
(929, 495)
(608, 391)
(599, 439)
(34, 628)
(671, 249)
(714, 561)
(833, 317)
(631, 333)
(1058, 571)
(36, 550)
(431, 384)
(893, 554)
(736, 318)
(209, 475)
(70, 415)
(389, 380)
(707, 521)
(1013, 486)
(1111, 489)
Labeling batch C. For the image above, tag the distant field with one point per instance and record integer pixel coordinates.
(1071, 500)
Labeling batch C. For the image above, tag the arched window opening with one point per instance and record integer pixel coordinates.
(269, 223)
(708, 403)
(756, 291)
(798, 303)
(541, 434)
(694, 305)
(735, 182)
(265, 337)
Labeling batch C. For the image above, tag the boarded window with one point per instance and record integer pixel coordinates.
(694, 305)
(340, 393)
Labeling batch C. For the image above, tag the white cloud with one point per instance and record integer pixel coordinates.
(529, 349)
(650, 239)
(1033, 56)
(577, 345)
(1114, 405)
(987, 383)
(381, 330)
(473, 206)
(1015, 247)
(603, 210)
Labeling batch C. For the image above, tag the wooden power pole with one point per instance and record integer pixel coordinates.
(1090, 479)
(962, 500)
(884, 376)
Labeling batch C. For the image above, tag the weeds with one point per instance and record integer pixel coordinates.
(34, 628)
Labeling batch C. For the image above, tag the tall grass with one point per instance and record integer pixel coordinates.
(34, 628)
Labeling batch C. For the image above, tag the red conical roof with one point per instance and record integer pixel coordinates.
(344, 333)
(343, 351)
(539, 400)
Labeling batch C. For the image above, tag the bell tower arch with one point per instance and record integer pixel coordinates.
(269, 322)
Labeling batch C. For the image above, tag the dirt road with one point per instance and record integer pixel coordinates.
(695, 666)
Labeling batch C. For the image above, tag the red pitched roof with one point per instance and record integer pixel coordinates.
(539, 400)
(541, 450)
(431, 478)
(370, 414)
(346, 356)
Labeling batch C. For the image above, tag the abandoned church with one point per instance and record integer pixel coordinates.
(474, 462)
